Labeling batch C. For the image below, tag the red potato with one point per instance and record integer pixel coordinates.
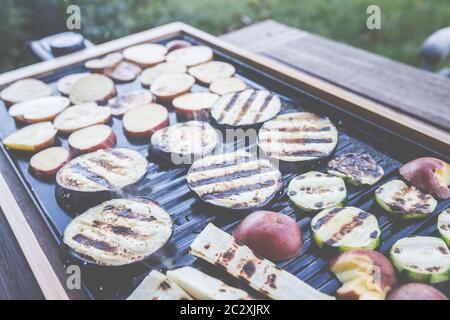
(146, 54)
(143, 120)
(195, 105)
(23, 90)
(128, 100)
(45, 164)
(365, 275)
(32, 138)
(81, 116)
(108, 61)
(416, 291)
(91, 139)
(227, 85)
(191, 56)
(430, 175)
(273, 235)
(150, 74)
(177, 44)
(38, 110)
(66, 83)
(123, 72)
(170, 86)
(93, 88)
(209, 72)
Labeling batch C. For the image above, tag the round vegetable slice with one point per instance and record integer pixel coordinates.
(123, 72)
(47, 162)
(119, 231)
(124, 102)
(315, 191)
(66, 83)
(248, 107)
(345, 229)
(191, 56)
(177, 44)
(93, 88)
(143, 120)
(25, 89)
(299, 136)
(444, 225)
(150, 74)
(145, 55)
(92, 138)
(405, 201)
(170, 86)
(32, 138)
(81, 116)
(416, 291)
(39, 110)
(358, 169)
(422, 259)
(108, 61)
(212, 71)
(194, 105)
(227, 85)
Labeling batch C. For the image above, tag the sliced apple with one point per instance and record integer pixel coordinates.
(81, 116)
(191, 56)
(122, 103)
(227, 85)
(212, 71)
(39, 110)
(93, 88)
(108, 61)
(123, 72)
(25, 89)
(47, 162)
(145, 55)
(143, 120)
(66, 83)
(32, 138)
(177, 44)
(195, 105)
(92, 138)
(170, 86)
(150, 74)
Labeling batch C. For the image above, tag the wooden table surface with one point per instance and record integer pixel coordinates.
(395, 84)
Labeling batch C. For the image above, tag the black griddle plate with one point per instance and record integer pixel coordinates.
(190, 216)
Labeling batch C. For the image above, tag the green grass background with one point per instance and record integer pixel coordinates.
(405, 23)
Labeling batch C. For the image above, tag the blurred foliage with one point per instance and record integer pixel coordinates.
(405, 23)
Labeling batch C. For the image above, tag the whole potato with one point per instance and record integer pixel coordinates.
(273, 235)
(416, 291)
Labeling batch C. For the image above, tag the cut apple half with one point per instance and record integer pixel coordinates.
(145, 55)
(32, 138)
(212, 71)
(92, 138)
(123, 72)
(150, 74)
(66, 83)
(170, 86)
(39, 110)
(25, 89)
(81, 116)
(227, 85)
(108, 61)
(122, 103)
(143, 120)
(191, 56)
(93, 88)
(46, 163)
(195, 105)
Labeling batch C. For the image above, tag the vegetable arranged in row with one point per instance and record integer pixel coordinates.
(443, 225)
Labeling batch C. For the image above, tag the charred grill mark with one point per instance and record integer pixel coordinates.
(223, 164)
(263, 107)
(433, 269)
(106, 164)
(348, 227)
(229, 105)
(271, 280)
(127, 213)
(123, 231)
(298, 140)
(85, 172)
(245, 107)
(300, 153)
(318, 204)
(228, 255)
(119, 155)
(374, 234)
(249, 268)
(236, 190)
(443, 250)
(356, 165)
(299, 129)
(164, 286)
(326, 218)
(98, 244)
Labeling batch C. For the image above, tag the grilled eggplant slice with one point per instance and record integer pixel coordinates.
(123, 72)
(212, 71)
(194, 105)
(150, 74)
(227, 85)
(246, 108)
(93, 88)
(404, 201)
(219, 248)
(170, 86)
(32, 138)
(204, 287)
(238, 181)
(184, 142)
(81, 116)
(66, 83)
(23, 90)
(124, 102)
(39, 110)
(98, 176)
(108, 61)
(156, 286)
(145, 55)
(299, 136)
(316, 191)
(191, 56)
(358, 169)
(119, 231)
(422, 259)
(444, 225)
(345, 229)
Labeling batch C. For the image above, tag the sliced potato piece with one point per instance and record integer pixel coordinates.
(227, 85)
(145, 55)
(81, 116)
(444, 225)
(47, 162)
(194, 105)
(66, 83)
(191, 56)
(39, 110)
(123, 72)
(177, 44)
(32, 138)
(170, 86)
(92, 138)
(25, 89)
(124, 102)
(358, 169)
(212, 71)
(150, 74)
(108, 61)
(93, 88)
(143, 120)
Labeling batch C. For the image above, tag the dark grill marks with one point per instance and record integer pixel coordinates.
(98, 244)
(236, 190)
(263, 107)
(120, 155)
(326, 218)
(128, 213)
(245, 107)
(91, 175)
(300, 153)
(223, 164)
(298, 129)
(348, 227)
(108, 165)
(229, 105)
(298, 140)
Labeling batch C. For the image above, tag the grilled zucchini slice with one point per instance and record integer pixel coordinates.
(119, 231)
(444, 225)
(299, 136)
(345, 229)
(405, 201)
(357, 169)
(316, 191)
(422, 259)
(238, 180)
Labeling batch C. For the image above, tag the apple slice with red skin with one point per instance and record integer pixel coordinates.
(143, 120)
(416, 291)
(430, 175)
(46, 163)
(177, 44)
(92, 138)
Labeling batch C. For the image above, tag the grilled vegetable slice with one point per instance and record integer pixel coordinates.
(66, 83)
(123, 72)
(119, 231)
(345, 229)
(38, 110)
(444, 225)
(47, 162)
(219, 248)
(227, 85)
(170, 86)
(191, 56)
(194, 105)
(150, 74)
(108, 61)
(184, 142)
(25, 89)
(315, 191)
(212, 71)
(422, 259)
(299, 136)
(404, 201)
(416, 291)
(177, 44)
(32, 138)
(95, 177)
(247, 107)
(93, 88)
(81, 116)
(236, 180)
(92, 138)
(204, 287)
(358, 169)
(124, 102)
(143, 120)
(145, 55)
(157, 286)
